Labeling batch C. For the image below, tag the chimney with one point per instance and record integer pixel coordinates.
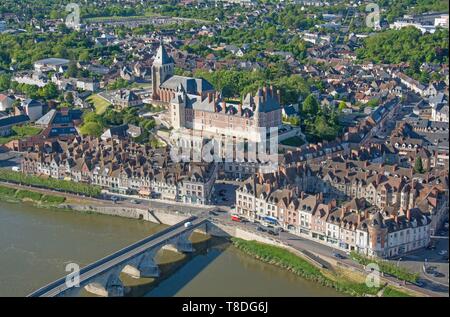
(332, 203)
(302, 194)
(366, 214)
(342, 213)
(359, 218)
(224, 108)
(264, 94)
(267, 187)
(320, 196)
(279, 96)
(408, 214)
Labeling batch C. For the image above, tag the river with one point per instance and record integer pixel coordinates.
(36, 244)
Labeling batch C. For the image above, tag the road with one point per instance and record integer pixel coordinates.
(324, 251)
(435, 260)
(435, 286)
(119, 257)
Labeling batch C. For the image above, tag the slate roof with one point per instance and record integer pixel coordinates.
(6, 121)
(191, 85)
(162, 57)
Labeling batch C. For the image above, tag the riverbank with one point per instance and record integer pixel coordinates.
(20, 178)
(15, 195)
(349, 284)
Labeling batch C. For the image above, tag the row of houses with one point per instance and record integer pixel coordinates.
(350, 205)
(122, 166)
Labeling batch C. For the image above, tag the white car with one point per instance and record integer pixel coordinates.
(188, 224)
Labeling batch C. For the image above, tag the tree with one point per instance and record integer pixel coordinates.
(69, 97)
(72, 70)
(147, 124)
(310, 105)
(84, 56)
(295, 121)
(323, 129)
(342, 106)
(373, 103)
(91, 128)
(5, 82)
(418, 166)
(49, 91)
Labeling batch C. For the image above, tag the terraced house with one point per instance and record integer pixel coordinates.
(383, 211)
(124, 167)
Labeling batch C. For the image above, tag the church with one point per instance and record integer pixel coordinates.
(194, 104)
(165, 83)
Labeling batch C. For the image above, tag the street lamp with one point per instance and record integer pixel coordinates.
(398, 262)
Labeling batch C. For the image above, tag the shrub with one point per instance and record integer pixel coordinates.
(51, 183)
(387, 267)
(53, 199)
(25, 194)
(392, 292)
(6, 191)
(285, 259)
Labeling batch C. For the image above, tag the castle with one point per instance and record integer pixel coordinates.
(195, 105)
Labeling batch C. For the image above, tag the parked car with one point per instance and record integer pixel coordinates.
(339, 256)
(443, 252)
(187, 224)
(259, 228)
(438, 274)
(134, 201)
(419, 283)
(235, 218)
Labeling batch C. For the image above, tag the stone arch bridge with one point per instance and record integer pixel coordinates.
(137, 260)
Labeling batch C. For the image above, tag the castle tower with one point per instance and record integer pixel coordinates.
(162, 69)
(178, 108)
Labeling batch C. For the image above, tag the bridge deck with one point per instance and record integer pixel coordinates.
(108, 262)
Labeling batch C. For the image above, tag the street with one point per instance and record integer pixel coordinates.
(412, 262)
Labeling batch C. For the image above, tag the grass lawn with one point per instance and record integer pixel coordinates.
(7, 193)
(294, 141)
(141, 85)
(392, 292)
(99, 103)
(19, 132)
(344, 283)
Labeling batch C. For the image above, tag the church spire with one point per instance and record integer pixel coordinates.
(162, 57)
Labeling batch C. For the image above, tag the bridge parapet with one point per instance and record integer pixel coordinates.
(138, 260)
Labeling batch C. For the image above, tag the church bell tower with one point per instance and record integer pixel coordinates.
(162, 69)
